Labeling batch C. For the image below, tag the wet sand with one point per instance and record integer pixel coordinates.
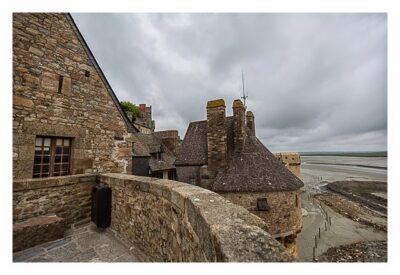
(343, 230)
(332, 168)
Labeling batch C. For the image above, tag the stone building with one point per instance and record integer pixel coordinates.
(224, 155)
(154, 154)
(66, 117)
(291, 160)
(144, 122)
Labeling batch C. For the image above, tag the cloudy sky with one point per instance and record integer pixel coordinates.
(316, 82)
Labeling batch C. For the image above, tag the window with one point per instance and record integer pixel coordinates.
(157, 155)
(52, 157)
(60, 83)
(172, 175)
(262, 204)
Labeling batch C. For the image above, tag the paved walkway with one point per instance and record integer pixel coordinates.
(85, 243)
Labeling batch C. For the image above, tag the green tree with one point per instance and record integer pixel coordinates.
(130, 107)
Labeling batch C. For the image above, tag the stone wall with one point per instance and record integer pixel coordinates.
(284, 218)
(35, 231)
(174, 221)
(291, 160)
(48, 55)
(184, 173)
(68, 197)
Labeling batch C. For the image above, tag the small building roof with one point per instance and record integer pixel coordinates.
(148, 144)
(194, 146)
(255, 169)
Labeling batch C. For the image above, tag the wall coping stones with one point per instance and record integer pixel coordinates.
(37, 230)
(39, 183)
(228, 232)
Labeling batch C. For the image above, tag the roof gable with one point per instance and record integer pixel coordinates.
(131, 128)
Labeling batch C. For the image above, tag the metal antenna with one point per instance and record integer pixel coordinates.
(244, 97)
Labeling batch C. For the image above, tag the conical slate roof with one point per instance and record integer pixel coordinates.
(255, 169)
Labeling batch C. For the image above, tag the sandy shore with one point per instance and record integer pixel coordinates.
(342, 230)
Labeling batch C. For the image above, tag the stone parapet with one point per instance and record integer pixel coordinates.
(169, 221)
(68, 197)
(174, 221)
(36, 231)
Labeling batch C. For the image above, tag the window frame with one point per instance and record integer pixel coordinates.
(52, 157)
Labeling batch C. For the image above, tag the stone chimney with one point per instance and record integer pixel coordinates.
(238, 125)
(142, 108)
(216, 136)
(250, 123)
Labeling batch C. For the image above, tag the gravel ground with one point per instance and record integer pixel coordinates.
(354, 210)
(356, 252)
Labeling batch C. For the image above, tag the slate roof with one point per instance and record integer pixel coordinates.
(147, 144)
(255, 169)
(194, 146)
(131, 128)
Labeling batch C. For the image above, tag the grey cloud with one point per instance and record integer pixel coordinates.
(315, 81)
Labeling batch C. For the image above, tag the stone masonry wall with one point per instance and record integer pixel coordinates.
(216, 136)
(185, 172)
(284, 219)
(284, 216)
(45, 47)
(174, 221)
(68, 197)
(36, 231)
(291, 160)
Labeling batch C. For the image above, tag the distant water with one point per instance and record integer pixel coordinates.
(347, 154)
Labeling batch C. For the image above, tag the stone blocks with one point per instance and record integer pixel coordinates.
(177, 222)
(37, 230)
(68, 197)
(46, 53)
